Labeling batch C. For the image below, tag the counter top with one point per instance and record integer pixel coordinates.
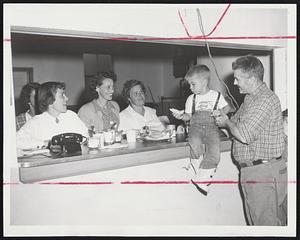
(37, 168)
(115, 149)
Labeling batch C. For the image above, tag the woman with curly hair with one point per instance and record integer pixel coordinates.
(101, 113)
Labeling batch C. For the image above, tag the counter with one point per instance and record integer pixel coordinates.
(38, 168)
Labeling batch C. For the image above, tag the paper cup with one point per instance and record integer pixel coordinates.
(93, 142)
(131, 135)
(100, 137)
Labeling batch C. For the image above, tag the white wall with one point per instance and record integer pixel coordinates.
(56, 67)
(132, 204)
(224, 68)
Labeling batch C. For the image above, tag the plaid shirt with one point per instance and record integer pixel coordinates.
(20, 120)
(260, 122)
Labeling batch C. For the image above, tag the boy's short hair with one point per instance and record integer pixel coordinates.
(46, 94)
(251, 65)
(198, 69)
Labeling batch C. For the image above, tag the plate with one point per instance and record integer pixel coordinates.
(160, 137)
(33, 152)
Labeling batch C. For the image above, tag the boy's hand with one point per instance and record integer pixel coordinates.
(216, 113)
(177, 113)
(222, 119)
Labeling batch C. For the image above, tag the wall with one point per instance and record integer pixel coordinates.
(55, 67)
(155, 73)
(131, 204)
(224, 68)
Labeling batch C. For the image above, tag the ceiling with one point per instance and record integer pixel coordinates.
(35, 43)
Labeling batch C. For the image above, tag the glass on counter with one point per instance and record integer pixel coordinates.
(96, 141)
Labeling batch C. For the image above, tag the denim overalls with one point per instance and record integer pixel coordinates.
(203, 130)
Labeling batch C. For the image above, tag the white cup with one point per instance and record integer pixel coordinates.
(93, 142)
(109, 137)
(131, 135)
(100, 137)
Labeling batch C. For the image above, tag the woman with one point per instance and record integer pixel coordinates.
(101, 113)
(28, 102)
(137, 115)
(54, 118)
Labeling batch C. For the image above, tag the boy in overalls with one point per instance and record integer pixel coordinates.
(200, 109)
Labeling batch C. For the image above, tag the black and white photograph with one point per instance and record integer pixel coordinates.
(149, 119)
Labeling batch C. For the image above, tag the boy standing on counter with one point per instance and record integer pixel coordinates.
(200, 109)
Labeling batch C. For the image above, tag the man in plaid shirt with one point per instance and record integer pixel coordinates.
(258, 144)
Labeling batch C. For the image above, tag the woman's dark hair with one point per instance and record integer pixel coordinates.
(46, 94)
(25, 95)
(97, 80)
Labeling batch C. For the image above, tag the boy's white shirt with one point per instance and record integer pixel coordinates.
(205, 102)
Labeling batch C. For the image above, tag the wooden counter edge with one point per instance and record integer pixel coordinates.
(92, 165)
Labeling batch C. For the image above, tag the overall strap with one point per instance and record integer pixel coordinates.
(217, 101)
(194, 104)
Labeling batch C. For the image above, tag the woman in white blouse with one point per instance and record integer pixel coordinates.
(55, 118)
(137, 115)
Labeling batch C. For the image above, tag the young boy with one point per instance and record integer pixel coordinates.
(200, 109)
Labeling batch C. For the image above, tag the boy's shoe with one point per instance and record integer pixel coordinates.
(203, 189)
(194, 165)
(203, 180)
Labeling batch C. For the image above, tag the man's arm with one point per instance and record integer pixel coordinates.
(227, 109)
(223, 121)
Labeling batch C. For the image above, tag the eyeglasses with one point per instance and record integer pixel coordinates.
(139, 93)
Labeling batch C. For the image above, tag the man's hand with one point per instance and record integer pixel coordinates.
(222, 119)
